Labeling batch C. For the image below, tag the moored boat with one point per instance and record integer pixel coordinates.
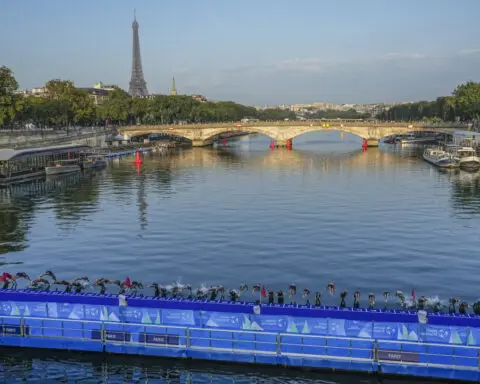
(411, 139)
(440, 158)
(63, 166)
(467, 157)
(94, 162)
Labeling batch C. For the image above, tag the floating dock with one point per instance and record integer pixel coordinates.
(127, 152)
(443, 346)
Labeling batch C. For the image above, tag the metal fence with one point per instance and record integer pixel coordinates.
(251, 343)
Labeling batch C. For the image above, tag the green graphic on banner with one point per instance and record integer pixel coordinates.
(455, 338)
(306, 329)
(146, 318)
(246, 324)
(15, 311)
(471, 339)
(292, 327)
(157, 320)
(405, 334)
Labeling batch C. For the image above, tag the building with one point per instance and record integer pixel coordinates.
(173, 90)
(138, 85)
(200, 98)
(106, 87)
(98, 96)
(41, 92)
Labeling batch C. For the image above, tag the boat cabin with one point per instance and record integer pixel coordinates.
(23, 164)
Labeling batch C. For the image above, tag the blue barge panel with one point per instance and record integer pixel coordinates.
(388, 341)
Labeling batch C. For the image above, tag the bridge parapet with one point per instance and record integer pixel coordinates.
(202, 134)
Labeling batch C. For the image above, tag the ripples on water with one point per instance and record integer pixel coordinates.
(373, 221)
(34, 366)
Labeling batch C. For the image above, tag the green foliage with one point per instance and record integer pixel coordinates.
(274, 114)
(464, 104)
(117, 107)
(65, 105)
(333, 114)
(10, 104)
(61, 90)
(468, 100)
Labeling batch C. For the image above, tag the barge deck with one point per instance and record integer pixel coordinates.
(446, 346)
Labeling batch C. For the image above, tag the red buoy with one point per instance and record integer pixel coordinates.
(364, 144)
(272, 144)
(289, 144)
(138, 159)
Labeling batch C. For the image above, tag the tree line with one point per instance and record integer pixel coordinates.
(462, 105)
(334, 114)
(64, 105)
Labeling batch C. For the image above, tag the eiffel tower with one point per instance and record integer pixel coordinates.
(138, 86)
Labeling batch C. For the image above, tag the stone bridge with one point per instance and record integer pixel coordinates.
(281, 132)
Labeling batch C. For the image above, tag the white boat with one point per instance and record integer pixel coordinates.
(63, 166)
(467, 156)
(440, 158)
(94, 161)
(411, 139)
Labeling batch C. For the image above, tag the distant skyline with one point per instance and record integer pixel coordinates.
(252, 52)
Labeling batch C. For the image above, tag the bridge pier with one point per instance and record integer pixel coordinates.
(372, 143)
(201, 143)
(284, 143)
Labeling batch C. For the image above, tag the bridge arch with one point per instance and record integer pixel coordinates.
(210, 134)
(201, 135)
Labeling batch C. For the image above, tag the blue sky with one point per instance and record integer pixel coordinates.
(257, 52)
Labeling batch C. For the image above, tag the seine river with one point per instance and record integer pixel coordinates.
(326, 211)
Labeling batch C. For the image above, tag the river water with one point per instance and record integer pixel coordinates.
(373, 221)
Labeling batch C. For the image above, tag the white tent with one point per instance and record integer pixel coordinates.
(459, 136)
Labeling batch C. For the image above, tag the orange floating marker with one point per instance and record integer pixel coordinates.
(138, 159)
(364, 144)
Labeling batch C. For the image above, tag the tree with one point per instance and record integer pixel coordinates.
(446, 107)
(60, 89)
(468, 100)
(82, 107)
(276, 114)
(140, 108)
(10, 103)
(34, 111)
(117, 106)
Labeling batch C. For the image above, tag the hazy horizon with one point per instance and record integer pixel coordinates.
(255, 53)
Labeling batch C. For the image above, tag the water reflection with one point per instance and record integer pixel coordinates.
(466, 193)
(141, 200)
(15, 219)
(34, 366)
(75, 198)
(71, 197)
(227, 209)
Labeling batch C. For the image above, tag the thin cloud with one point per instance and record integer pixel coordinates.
(470, 51)
(397, 55)
(302, 65)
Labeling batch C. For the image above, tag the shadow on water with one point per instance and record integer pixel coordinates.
(74, 367)
(18, 205)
